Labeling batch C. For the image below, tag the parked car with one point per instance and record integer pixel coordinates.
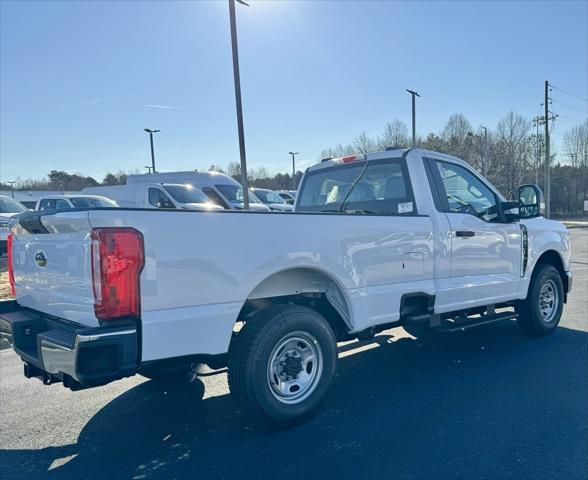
(162, 195)
(58, 202)
(287, 196)
(9, 207)
(221, 189)
(408, 238)
(274, 201)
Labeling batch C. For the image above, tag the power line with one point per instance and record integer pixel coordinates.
(570, 106)
(570, 118)
(569, 93)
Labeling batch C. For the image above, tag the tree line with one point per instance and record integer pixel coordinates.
(509, 155)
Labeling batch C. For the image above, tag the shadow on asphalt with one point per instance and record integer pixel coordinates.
(485, 403)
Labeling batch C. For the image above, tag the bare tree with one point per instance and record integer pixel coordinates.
(576, 145)
(456, 129)
(364, 143)
(395, 135)
(512, 150)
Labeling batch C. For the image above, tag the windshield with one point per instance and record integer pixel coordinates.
(92, 202)
(234, 194)
(8, 205)
(186, 194)
(267, 196)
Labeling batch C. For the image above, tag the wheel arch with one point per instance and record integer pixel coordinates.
(308, 286)
(553, 258)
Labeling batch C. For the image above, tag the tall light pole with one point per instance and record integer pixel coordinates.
(414, 94)
(237, 80)
(12, 182)
(484, 150)
(294, 168)
(151, 132)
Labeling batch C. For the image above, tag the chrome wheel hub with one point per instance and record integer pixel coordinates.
(548, 301)
(295, 367)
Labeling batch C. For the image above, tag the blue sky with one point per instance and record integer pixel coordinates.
(77, 78)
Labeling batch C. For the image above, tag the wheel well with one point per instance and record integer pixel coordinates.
(302, 286)
(551, 257)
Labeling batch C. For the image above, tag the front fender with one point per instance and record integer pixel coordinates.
(545, 236)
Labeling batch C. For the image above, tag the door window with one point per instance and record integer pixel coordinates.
(159, 199)
(59, 203)
(466, 193)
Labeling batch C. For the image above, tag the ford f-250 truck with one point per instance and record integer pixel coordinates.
(394, 238)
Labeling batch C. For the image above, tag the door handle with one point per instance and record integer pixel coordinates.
(464, 233)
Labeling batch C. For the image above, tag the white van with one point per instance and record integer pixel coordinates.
(221, 189)
(156, 195)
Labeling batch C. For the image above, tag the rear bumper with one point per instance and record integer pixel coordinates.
(55, 350)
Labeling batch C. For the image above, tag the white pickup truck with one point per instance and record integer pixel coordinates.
(394, 238)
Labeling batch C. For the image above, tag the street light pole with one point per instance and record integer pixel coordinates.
(237, 80)
(294, 168)
(414, 94)
(151, 132)
(484, 150)
(12, 182)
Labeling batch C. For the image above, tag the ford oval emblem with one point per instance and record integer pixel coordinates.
(41, 258)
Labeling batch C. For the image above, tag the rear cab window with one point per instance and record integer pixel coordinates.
(374, 187)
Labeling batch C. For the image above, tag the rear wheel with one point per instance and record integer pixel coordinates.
(540, 312)
(282, 363)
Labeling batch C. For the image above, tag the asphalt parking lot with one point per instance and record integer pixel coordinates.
(485, 403)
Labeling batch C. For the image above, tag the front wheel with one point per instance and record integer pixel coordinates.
(282, 363)
(541, 311)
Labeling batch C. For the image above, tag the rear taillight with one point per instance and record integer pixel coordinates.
(117, 261)
(9, 241)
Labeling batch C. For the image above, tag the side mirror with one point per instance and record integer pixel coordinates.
(530, 199)
(509, 211)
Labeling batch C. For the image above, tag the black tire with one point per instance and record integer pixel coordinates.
(532, 318)
(250, 370)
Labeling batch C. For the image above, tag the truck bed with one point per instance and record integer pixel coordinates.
(200, 267)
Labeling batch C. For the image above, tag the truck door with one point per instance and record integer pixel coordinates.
(485, 253)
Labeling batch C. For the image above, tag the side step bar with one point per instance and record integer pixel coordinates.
(448, 326)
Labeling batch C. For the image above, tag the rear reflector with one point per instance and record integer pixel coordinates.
(117, 261)
(9, 241)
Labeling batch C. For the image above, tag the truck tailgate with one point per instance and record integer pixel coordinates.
(52, 265)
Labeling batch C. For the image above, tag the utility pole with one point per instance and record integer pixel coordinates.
(537, 121)
(294, 169)
(414, 94)
(237, 80)
(547, 166)
(151, 132)
(12, 182)
(484, 150)
(148, 168)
